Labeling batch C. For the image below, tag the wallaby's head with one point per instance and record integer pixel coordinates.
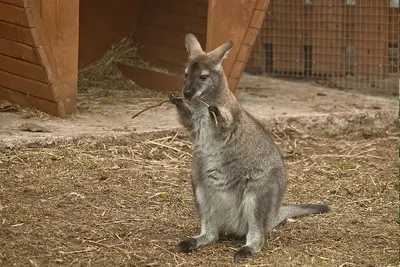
(204, 74)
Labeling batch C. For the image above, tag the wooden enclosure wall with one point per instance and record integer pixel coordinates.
(162, 28)
(326, 37)
(240, 23)
(394, 50)
(39, 53)
(160, 37)
(40, 40)
(327, 42)
(102, 23)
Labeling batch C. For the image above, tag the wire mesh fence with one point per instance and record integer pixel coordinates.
(343, 43)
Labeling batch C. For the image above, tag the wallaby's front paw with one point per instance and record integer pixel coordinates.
(243, 253)
(174, 98)
(187, 245)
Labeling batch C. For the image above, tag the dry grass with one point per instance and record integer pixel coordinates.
(25, 112)
(102, 84)
(127, 202)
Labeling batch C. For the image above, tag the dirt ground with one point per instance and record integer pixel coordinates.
(100, 189)
(128, 201)
(105, 112)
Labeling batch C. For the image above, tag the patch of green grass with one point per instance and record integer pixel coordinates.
(170, 198)
(19, 215)
(346, 166)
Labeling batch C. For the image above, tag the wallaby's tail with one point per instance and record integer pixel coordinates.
(292, 211)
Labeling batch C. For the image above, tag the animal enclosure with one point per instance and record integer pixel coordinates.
(43, 43)
(350, 43)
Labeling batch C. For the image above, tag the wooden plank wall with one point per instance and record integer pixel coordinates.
(287, 42)
(349, 36)
(371, 38)
(102, 23)
(162, 27)
(394, 16)
(283, 34)
(328, 50)
(344, 39)
(34, 69)
(394, 51)
(256, 63)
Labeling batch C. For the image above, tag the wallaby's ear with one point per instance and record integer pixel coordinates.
(221, 51)
(193, 46)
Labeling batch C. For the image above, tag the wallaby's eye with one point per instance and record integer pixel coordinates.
(203, 77)
(185, 75)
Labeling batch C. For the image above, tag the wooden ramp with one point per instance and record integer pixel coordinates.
(39, 42)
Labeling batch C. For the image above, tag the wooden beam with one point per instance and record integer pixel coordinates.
(19, 50)
(53, 108)
(226, 24)
(15, 14)
(19, 3)
(23, 68)
(15, 33)
(27, 86)
(57, 31)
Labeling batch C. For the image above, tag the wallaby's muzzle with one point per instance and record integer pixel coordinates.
(187, 93)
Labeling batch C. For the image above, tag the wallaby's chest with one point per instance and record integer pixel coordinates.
(208, 149)
(203, 133)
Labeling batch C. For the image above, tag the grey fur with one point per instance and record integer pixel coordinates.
(238, 173)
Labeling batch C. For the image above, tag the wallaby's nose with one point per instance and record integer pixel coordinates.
(187, 93)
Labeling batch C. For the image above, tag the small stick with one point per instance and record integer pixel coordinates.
(156, 105)
(165, 101)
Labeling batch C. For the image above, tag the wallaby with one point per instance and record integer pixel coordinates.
(238, 173)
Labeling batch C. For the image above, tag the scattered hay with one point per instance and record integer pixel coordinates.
(128, 202)
(104, 73)
(25, 112)
(102, 83)
(101, 72)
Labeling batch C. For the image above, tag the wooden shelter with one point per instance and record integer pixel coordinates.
(42, 43)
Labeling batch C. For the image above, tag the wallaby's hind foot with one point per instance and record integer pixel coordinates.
(243, 253)
(207, 236)
(187, 245)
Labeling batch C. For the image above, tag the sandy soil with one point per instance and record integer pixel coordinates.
(103, 112)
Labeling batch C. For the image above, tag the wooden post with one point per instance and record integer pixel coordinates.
(56, 33)
(240, 23)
